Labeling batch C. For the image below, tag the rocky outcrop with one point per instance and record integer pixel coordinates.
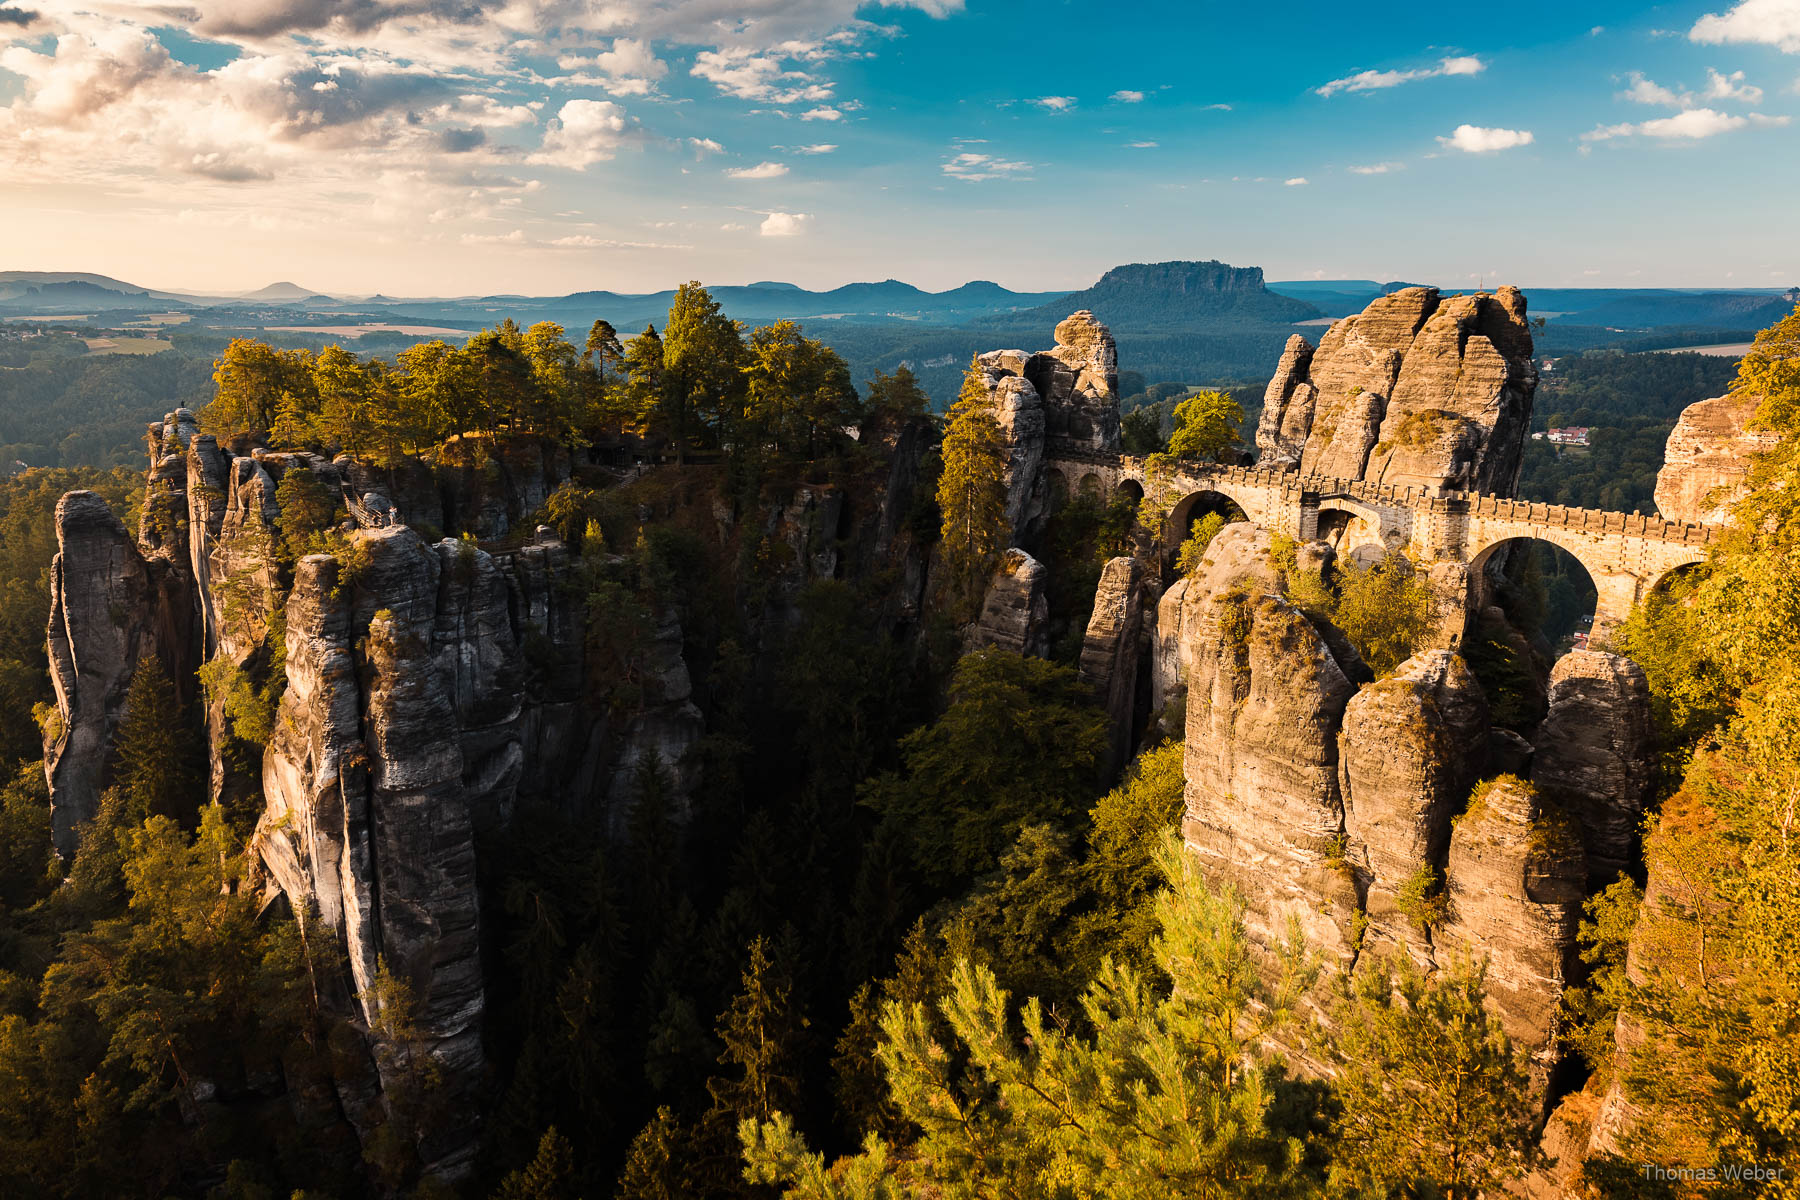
(1288, 405)
(1265, 700)
(1410, 749)
(368, 821)
(1016, 613)
(1076, 383)
(1592, 754)
(1170, 648)
(1019, 410)
(1111, 648)
(1706, 463)
(110, 608)
(1514, 889)
(1412, 391)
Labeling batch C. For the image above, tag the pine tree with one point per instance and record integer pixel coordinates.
(1433, 1097)
(550, 1175)
(155, 769)
(972, 493)
(762, 1032)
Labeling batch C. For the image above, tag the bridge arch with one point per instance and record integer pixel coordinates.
(1567, 599)
(1360, 533)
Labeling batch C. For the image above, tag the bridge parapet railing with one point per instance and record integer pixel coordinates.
(1484, 504)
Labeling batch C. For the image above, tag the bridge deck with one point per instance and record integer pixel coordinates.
(1196, 475)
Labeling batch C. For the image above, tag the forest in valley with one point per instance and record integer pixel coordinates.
(914, 935)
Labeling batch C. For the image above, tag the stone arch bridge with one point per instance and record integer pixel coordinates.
(1625, 555)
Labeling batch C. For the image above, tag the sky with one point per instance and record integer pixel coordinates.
(458, 147)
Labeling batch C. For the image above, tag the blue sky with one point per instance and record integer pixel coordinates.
(422, 147)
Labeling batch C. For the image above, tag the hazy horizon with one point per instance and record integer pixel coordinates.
(549, 146)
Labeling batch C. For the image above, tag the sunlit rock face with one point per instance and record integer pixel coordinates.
(1414, 391)
(1706, 463)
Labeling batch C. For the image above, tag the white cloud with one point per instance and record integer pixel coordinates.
(1718, 87)
(766, 78)
(582, 241)
(1761, 22)
(704, 146)
(815, 148)
(1692, 125)
(1731, 87)
(1296, 181)
(1371, 81)
(1474, 139)
(733, 227)
(1141, 145)
(582, 133)
(782, 224)
(516, 237)
(1055, 103)
(1648, 91)
(762, 170)
(974, 168)
(1128, 97)
(1380, 168)
(630, 68)
(821, 114)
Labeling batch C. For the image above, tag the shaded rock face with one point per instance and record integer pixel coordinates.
(1410, 749)
(369, 789)
(1514, 882)
(1706, 463)
(1111, 648)
(1015, 616)
(1265, 699)
(489, 485)
(109, 609)
(1412, 391)
(1592, 753)
(1171, 649)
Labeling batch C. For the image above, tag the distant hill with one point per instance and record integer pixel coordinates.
(283, 291)
(1160, 295)
(68, 290)
(1647, 310)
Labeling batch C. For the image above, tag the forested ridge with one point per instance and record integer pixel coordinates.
(911, 939)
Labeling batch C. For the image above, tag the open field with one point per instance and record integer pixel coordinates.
(359, 330)
(1722, 350)
(140, 345)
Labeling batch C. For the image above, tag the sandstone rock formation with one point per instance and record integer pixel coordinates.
(1706, 463)
(1410, 748)
(367, 819)
(1514, 885)
(1060, 401)
(1288, 405)
(109, 609)
(1016, 613)
(1412, 391)
(1592, 754)
(1111, 648)
(1265, 700)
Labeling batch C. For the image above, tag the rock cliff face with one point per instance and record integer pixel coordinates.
(1707, 460)
(369, 789)
(1592, 754)
(1112, 647)
(1411, 746)
(1514, 881)
(1413, 391)
(1338, 809)
(1016, 613)
(109, 609)
(1265, 700)
(1063, 400)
